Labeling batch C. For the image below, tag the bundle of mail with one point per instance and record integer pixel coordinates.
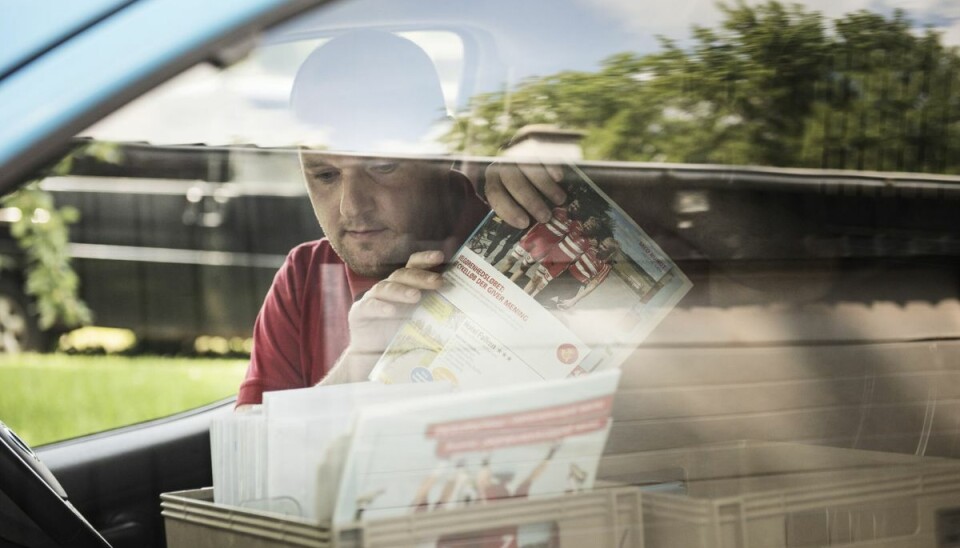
(361, 451)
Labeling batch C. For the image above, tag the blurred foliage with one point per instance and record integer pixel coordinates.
(97, 340)
(42, 232)
(773, 84)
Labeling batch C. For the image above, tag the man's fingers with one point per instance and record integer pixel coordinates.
(525, 192)
(545, 178)
(555, 171)
(406, 285)
(372, 307)
(373, 323)
(425, 260)
(396, 292)
(394, 297)
(416, 278)
(507, 208)
(373, 312)
(516, 191)
(500, 200)
(383, 309)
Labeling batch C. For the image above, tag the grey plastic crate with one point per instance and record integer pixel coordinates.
(601, 518)
(744, 494)
(786, 495)
(192, 520)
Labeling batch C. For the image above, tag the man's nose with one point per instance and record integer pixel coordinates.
(357, 190)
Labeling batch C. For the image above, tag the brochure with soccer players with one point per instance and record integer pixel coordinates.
(463, 450)
(570, 296)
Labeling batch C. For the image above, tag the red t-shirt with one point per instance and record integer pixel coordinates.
(565, 253)
(590, 266)
(539, 240)
(302, 329)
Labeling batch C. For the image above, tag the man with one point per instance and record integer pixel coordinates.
(389, 223)
(590, 270)
(561, 256)
(539, 240)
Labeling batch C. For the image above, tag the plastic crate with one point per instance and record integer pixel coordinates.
(786, 495)
(192, 520)
(745, 494)
(600, 518)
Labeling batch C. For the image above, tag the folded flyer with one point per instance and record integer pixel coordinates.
(570, 296)
(459, 450)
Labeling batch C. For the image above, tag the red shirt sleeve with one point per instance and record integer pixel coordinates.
(275, 361)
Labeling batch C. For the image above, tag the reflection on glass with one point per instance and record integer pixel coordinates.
(769, 84)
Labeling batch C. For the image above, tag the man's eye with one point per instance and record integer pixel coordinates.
(326, 175)
(384, 167)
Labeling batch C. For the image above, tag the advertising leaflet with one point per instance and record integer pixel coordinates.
(460, 450)
(570, 296)
(304, 432)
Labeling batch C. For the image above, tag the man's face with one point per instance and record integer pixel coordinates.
(591, 225)
(608, 247)
(376, 212)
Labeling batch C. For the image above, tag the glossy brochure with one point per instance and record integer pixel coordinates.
(470, 449)
(558, 299)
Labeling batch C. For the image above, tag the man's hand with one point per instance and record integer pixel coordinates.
(516, 191)
(377, 316)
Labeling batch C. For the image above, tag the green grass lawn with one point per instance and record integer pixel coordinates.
(51, 397)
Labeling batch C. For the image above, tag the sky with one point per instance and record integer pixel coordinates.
(512, 40)
(541, 37)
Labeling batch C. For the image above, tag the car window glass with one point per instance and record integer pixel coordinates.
(791, 171)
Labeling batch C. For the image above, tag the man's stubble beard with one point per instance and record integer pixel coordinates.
(396, 253)
(360, 259)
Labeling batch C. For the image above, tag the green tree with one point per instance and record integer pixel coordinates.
(42, 232)
(772, 84)
(888, 103)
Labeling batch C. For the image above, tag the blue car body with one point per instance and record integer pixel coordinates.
(103, 52)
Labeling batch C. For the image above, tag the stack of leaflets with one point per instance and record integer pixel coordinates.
(459, 450)
(357, 451)
(238, 458)
(570, 296)
(272, 457)
(307, 431)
